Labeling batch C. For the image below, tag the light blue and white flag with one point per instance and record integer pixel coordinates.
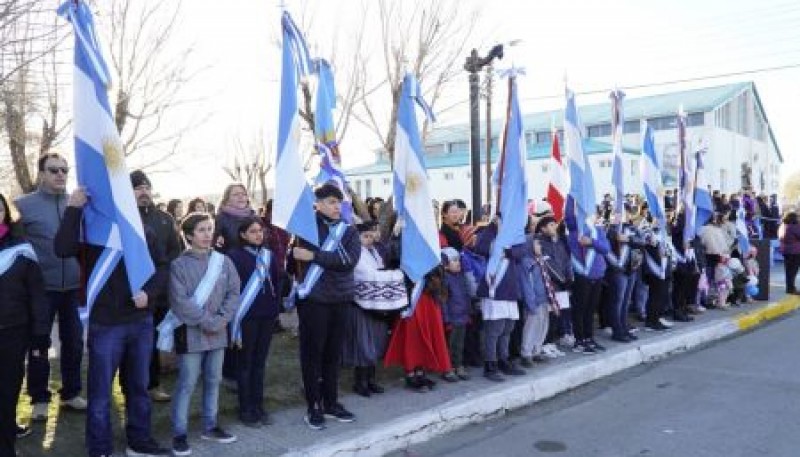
(293, 206)
(512, 189)
(617, 170)
(412, 197)
(330, 162)
(687, 182)
(704, 205)
(651, 175)
(111, 218)
(742, 235)
(580, 171)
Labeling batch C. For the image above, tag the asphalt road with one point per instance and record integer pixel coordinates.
(739, 397)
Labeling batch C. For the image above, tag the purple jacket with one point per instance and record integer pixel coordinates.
(456, 309)
(789, 235)
(508, 289)
(599, 244)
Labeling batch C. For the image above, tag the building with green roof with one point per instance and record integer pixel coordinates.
(728, 121)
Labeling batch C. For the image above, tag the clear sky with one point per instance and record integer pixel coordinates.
(599, 44)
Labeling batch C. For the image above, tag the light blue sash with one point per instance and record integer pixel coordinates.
(583, 268)
(9, 256)
(255, 284)
(625, 251)
(166, 329)
(315, 271)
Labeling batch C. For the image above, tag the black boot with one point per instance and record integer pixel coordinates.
(360, 384)
(490, 372)
(371, 384)
(509, 368)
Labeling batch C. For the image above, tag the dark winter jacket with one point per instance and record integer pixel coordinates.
(265, 305)
(114, 303)
(508, 288)
(166, 237)
(557, 258)
(227, 226)
(40, 215)
(789, 235)
(456, 309)
(633, 258)
(22, 299)
(336, 284)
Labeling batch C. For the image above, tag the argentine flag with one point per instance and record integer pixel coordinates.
(704, 205)
(420, 240)
(580, 171)
(512, 188)
(293, 206)
(651, 175)
(325, 131)
(111, 218)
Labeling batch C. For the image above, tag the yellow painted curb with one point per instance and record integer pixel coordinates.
(751, 319)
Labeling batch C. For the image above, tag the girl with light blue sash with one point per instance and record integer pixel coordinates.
(255, 321)
(24, 319)
(204, 298)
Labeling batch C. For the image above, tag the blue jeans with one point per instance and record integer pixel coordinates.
(640, 293)
(110, 347)
(70, 332)
(622, 288)
(190, 366)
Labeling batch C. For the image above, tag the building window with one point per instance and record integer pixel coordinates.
(448, 176)
(458, 147)
(469, 175)
(632, 126)
(543, 137)
(545, 168)
(594, 131)
(695, 119)
(368, 188)
(723, 180)
(634, 167)
(358, 187)
(663, 123)
(386, 181)
(605, 163)
(434, 149)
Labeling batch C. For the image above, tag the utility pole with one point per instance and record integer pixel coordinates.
(473, 65)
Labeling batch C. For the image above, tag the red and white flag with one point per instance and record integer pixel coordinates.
(559, 180)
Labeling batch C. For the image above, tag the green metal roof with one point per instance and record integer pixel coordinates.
(653, 106)
(461, 159)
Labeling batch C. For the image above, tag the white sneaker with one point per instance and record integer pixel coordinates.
(567, 341)
(666, 323)
(39, 413)
(77, 403)
(548, 352)
(633, 329)
(553, 349)
(608, 331)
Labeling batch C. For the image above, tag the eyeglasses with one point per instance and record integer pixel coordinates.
(56, 170)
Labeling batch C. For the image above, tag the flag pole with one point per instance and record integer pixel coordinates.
(502, 163)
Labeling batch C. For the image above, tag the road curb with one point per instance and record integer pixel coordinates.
(527, 390)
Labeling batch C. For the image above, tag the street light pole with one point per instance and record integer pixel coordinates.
(473, 65)
(489, 81)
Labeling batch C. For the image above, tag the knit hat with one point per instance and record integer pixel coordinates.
(138, 178)
(450, 254)
(543, 223)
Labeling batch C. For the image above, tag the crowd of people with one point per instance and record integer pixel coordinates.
(223, 277)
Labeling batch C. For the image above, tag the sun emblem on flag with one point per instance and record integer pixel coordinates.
(413, 183)
(112, 154)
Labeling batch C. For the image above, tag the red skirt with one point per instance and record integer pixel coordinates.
(419, 341)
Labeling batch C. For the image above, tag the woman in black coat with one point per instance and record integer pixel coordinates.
(23, 320)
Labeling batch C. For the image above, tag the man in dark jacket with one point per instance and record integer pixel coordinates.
(321, 312)
(162, 225)
(41, 212)
(120, 334)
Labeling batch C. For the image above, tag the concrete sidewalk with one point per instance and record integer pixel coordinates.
(399, 417)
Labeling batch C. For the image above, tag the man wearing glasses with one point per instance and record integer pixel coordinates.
(41, 212)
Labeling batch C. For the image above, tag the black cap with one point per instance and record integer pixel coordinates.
(138, 178)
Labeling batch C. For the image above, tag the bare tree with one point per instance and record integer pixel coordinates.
(250, 165)
(429, 40)
(29, 94)
(151, 78)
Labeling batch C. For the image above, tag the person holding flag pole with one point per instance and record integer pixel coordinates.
(102, 225)
(504, 244)
(418, 341)
(588, 243)
(325, 250)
